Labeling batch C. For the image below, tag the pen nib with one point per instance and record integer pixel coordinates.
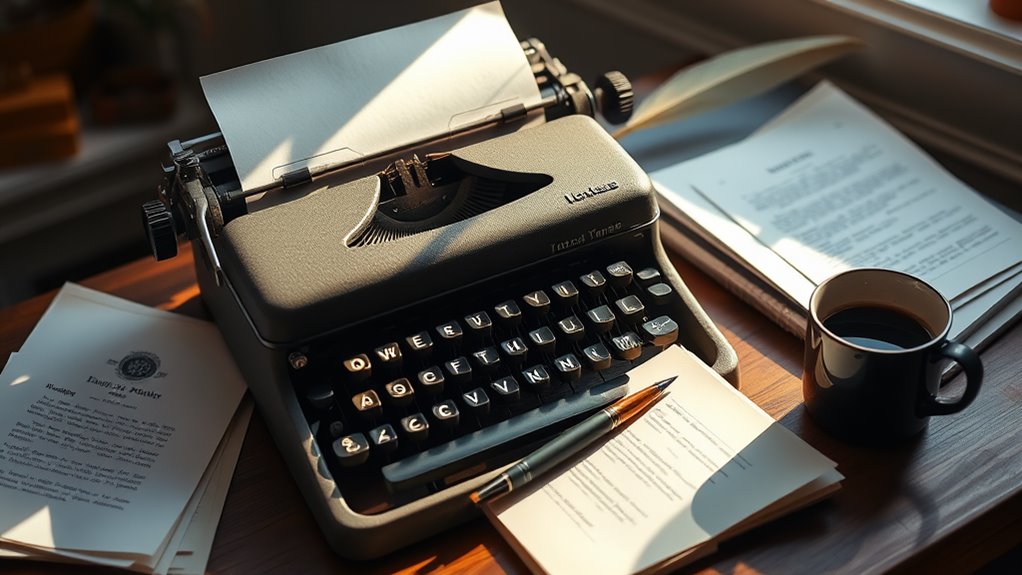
(662, 385)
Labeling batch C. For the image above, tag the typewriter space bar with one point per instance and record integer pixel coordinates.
(473, 449)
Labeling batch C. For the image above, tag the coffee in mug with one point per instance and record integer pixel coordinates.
(880, 328)
(876, 345)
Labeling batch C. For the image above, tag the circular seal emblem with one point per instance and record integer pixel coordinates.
(138, 365)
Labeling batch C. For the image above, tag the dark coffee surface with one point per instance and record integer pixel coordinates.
(878, 328)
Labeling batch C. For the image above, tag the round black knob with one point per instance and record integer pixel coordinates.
(614, 97)
(159, 229)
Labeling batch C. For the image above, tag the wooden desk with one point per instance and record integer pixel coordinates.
(949, 501)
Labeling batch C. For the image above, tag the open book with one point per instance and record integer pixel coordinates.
(703, 464)
(827, 186)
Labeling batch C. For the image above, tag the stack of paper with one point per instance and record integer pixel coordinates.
(121, 426)
(702, 465)
(827, 186)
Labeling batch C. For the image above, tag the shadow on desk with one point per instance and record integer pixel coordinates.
(878, 485)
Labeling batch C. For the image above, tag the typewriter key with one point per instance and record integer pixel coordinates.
(446, 414)
(351, 449)
(384, 439)
(620, 274)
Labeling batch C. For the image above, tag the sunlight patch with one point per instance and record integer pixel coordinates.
(37, 528)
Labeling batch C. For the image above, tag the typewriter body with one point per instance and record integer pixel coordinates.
(411, 325)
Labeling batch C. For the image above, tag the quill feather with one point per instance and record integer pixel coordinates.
(734, 76)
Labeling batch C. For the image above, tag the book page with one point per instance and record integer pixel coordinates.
(699, 462)
(831, 187)
(348, 100)
(109, 420)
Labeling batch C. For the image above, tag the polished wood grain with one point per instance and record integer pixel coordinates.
(948, 501)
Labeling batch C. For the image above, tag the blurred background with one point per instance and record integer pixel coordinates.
(91, 90)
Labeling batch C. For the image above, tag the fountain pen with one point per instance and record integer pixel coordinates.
(571, 442)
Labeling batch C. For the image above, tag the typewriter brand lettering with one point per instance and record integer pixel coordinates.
(598, 233)
(567, 244)
(591, 234)
(590, 192)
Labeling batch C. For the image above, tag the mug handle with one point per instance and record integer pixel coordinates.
(973, 368)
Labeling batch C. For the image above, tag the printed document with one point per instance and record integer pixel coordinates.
(108, 422)
(701, 461)
(852, 195)
(826, 186)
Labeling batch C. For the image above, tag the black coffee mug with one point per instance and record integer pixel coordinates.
(876, 346)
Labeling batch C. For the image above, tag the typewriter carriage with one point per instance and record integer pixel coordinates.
(176, 211)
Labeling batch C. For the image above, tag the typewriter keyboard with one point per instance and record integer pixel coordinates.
(438, 393)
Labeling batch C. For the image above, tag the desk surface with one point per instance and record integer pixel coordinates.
(949, 500)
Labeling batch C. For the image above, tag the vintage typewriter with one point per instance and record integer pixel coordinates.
(427, 316)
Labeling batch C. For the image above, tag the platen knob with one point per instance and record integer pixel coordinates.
(159, 229)
(614, 97)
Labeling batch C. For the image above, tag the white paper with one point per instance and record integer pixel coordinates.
(1010, 275)
(699, 462)
(978, 300)
(60, 556)
(193, 555)
(341, 102)
(88, 450)
(974, 306)
(188, 547)
(832, 187)
(714, 225)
